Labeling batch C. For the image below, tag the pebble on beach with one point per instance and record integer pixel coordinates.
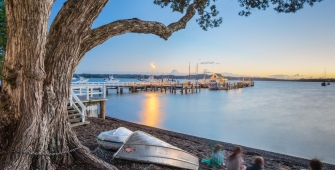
(197, 146)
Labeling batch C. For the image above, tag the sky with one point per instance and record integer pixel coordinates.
(266, 43)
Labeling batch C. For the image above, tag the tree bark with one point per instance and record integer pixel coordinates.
(38, 72)
(23, 82)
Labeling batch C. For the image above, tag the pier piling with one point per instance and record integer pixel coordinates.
(103, 109)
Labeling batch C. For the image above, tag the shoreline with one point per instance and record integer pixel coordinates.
(198, 146)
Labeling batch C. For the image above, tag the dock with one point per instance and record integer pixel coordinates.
(172, 87)
(89, 98)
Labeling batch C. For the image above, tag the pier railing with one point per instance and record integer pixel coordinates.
(88, 90)
(74, 100)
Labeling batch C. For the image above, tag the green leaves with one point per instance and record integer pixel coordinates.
(208, 13)
(281, 6)
(208, 16)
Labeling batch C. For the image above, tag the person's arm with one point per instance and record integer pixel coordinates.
(241, 164)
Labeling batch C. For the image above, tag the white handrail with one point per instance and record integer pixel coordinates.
(81, 104)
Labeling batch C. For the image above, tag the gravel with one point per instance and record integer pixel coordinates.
(200, 147)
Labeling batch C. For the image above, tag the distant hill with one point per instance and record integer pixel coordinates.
(175, 73)
(200, 76)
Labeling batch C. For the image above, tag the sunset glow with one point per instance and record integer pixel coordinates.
(264, 44)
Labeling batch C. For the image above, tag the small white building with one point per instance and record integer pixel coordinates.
(218, 78)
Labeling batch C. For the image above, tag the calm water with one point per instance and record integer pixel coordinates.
(294, 118)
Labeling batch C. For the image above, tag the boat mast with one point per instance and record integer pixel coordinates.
(204, 75)
(189, 69)
(197, 71)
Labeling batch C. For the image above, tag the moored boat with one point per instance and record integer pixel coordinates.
(113, 139)
(324, 83)
(143, 147)
(150, 79)
(82, 80)
(111, 79)
(212, 85)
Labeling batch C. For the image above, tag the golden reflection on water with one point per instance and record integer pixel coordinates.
(150, 113)
(235, 91)
(239, 90)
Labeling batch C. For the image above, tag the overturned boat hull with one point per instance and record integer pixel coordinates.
(143, 147)
(109, 144)
(113, 139)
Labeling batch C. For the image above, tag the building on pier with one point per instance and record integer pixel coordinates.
(218, 78)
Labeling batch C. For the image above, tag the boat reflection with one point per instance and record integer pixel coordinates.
(150, 113)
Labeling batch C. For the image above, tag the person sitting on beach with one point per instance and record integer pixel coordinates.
(315, 164)
(234, 160)
(257, 165)
(217, 157)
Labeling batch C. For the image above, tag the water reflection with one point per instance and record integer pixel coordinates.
(150, 113)
(276, 116)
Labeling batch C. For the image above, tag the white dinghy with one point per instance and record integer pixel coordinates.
(113, 139)
(143, 147)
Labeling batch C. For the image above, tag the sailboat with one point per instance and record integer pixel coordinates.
(203, 82)
(324, 82)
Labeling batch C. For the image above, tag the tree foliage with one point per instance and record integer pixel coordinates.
(208, 13)
(281, 6)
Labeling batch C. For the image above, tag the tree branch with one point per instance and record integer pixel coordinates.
(67, 32)
(103, 33)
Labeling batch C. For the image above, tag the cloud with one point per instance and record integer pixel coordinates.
(285, 76)
(207, 62)
(207, 71)
(234, 75)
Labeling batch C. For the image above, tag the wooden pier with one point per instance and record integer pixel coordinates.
(136, 86)
(90, 94)
(87, 94)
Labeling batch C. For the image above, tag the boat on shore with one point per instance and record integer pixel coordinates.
(113, 139)
(142, 147)
(111, 79)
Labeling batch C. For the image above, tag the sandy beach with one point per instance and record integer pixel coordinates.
(199, 147)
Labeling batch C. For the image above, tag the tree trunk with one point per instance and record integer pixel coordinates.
(23, 82)
(35, 93)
